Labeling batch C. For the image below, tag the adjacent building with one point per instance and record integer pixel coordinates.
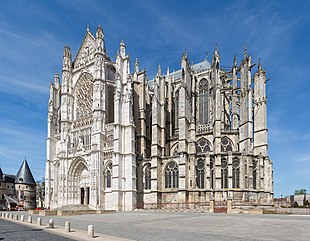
(118, 140)
(19, 189)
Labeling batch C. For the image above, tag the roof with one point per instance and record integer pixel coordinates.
(24, 175)
(204, 65)
(201, 66)
(9, 178)
(1, 175)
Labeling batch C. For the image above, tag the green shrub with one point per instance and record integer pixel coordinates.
(296, 204)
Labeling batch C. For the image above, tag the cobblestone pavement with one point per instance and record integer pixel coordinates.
(12, 231)
(178, 226)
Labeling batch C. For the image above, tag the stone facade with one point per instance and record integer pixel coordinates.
(117, 140)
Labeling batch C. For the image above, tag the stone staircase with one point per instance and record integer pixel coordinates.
(70, 210)
(74, 207)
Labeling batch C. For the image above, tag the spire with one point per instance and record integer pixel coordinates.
(158, 71)
(99, 32)
(206, 54)
(56, 81)
(235, 61)
(216, 54)
(67, 52)
(137, 66)
(184, 55)
(122, 47)
(24, 175)
(168, 71)
(122, 43)
(87, 28)
(67, 61)
(1, 175)
(216, 51)
(100, 40)
(244, 52)
(259, 66)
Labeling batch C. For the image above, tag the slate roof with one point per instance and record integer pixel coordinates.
(24, 175)
(9, 178)
(1, 175)
(201, 66)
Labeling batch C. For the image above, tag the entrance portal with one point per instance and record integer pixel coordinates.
(79, 182)
(82, 195)
(85, 195)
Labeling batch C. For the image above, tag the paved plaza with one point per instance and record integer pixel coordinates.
(154, 226)
(13, 231)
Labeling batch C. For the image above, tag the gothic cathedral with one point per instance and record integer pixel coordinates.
(117, 140)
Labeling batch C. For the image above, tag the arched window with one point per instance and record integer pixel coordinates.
(200, 173)
(226, 144)
(176, 110)
(254, 174)
(202, 146)
(172, 175)
(147, 177)
(212, 172)
(235, 173)
(203, 102)
(224, 173)
(109, 104)
(109, 176)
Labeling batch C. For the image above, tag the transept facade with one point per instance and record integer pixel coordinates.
(117, 140)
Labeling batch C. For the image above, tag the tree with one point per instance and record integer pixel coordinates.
(41, 192)
(296, 204)
(300, 191)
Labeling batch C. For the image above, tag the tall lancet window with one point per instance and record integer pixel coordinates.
(254, 174)
(200, 173)
(176, 104)
(172, 175)
(212, 176)
(109, 101)
(235, 173)
(175, 112)
(224, 173)
(147, 177)
(203, 102)
(109, 176)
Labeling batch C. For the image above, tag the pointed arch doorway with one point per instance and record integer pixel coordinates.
(79, 182)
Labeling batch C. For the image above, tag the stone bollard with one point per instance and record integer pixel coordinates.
(29, 219)
(39, 221)
(67, 227)
(7, 215)
(51, 223)
(16, 217)
(90, 232)
(11, 215)
(22, 218)
(229, 206)
(211, 210)
(1, 215)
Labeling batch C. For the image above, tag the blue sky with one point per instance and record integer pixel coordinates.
(33, 34)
